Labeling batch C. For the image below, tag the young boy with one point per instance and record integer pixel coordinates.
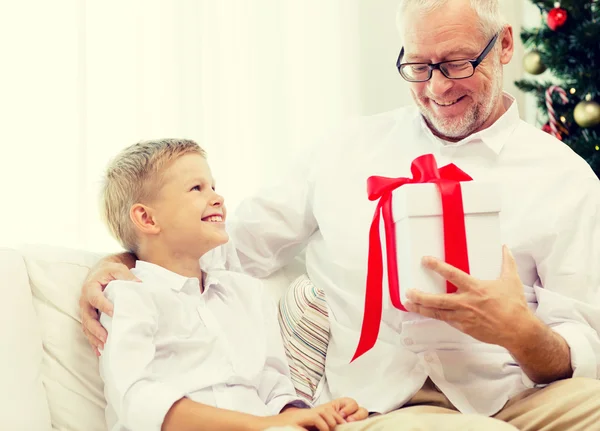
(190, 350)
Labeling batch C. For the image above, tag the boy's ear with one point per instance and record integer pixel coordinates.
(143, 219)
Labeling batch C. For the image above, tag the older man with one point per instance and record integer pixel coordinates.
(522, 351)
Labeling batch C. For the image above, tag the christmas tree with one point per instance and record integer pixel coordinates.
(567, 44)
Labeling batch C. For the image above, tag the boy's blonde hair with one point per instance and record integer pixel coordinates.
(132, 177)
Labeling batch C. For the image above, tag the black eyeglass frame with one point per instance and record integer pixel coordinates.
(437, 66)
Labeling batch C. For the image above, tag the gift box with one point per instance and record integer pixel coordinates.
(419, 228)
(439, 212)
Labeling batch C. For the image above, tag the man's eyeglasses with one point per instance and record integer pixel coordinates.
(453, 69)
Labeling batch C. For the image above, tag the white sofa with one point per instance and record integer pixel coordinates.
(48, 373)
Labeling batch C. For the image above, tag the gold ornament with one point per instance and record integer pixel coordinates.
(587, 113)
(532, 63)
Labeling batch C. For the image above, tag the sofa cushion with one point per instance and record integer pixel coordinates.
(304, 324)
(23, 405)
(70, 368)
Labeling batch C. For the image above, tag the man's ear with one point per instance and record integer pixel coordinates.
(144, 219)
(508, 45)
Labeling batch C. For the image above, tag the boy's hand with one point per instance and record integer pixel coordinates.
(349, 409)
(321, 418)
(92, 298)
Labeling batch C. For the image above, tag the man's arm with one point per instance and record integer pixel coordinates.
(542, 354)
(127, 259)
(496, 312)
(568, 290)
(272, 227)
(109, 268)
(562, 338)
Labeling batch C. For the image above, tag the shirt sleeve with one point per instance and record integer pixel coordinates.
(568, 292)
(272, 227)
(276, 388)
(140, 401)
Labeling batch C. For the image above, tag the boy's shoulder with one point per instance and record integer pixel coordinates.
(121, 289)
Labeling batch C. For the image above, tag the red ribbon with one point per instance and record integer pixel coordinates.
(424, 170)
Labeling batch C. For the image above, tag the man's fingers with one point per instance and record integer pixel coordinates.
(509, 266)
(95, 343)
(460, 279)
(444, 301)
(99, 301)
(433, 313)
(121, 272)
(91, 324)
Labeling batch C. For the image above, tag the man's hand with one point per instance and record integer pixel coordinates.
(491, 311)
(92, 299)
(322, 418)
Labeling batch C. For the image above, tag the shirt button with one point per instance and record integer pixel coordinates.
(429, 357)
(408, 342)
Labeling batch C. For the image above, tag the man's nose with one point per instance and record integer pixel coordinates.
(439, 84)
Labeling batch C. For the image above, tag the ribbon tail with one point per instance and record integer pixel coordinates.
(455, 235)
(374, 291)
(392, 259)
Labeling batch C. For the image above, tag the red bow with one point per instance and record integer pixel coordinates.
(424, 170)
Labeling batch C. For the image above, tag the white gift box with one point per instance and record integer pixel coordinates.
(417, 214)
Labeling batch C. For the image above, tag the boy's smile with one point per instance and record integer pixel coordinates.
(189, 212)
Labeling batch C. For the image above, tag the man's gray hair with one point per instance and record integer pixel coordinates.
(491, 20)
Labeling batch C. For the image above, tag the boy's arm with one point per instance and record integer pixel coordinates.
(187, 415)
(140, 400)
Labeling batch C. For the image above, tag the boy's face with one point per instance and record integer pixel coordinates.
(190, 214)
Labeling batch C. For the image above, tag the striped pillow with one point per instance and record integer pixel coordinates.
(304, 324)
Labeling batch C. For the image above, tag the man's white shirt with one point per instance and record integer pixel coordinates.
(167, 340)
(550, 220)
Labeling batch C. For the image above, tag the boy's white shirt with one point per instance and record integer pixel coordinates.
(167, 340)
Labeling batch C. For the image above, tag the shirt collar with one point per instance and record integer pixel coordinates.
(165, 277)
(495, 136)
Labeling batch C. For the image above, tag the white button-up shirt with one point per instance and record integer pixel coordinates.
(167, 340)
(550, 220)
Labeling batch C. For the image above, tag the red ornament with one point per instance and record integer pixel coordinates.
(548, 130)
(557, 18)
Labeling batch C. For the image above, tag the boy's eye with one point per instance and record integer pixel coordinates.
(197, 188)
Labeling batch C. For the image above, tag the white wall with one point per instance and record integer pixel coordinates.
(251, 81)
(40, 121)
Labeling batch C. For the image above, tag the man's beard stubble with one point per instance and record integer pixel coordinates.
(476, 115)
